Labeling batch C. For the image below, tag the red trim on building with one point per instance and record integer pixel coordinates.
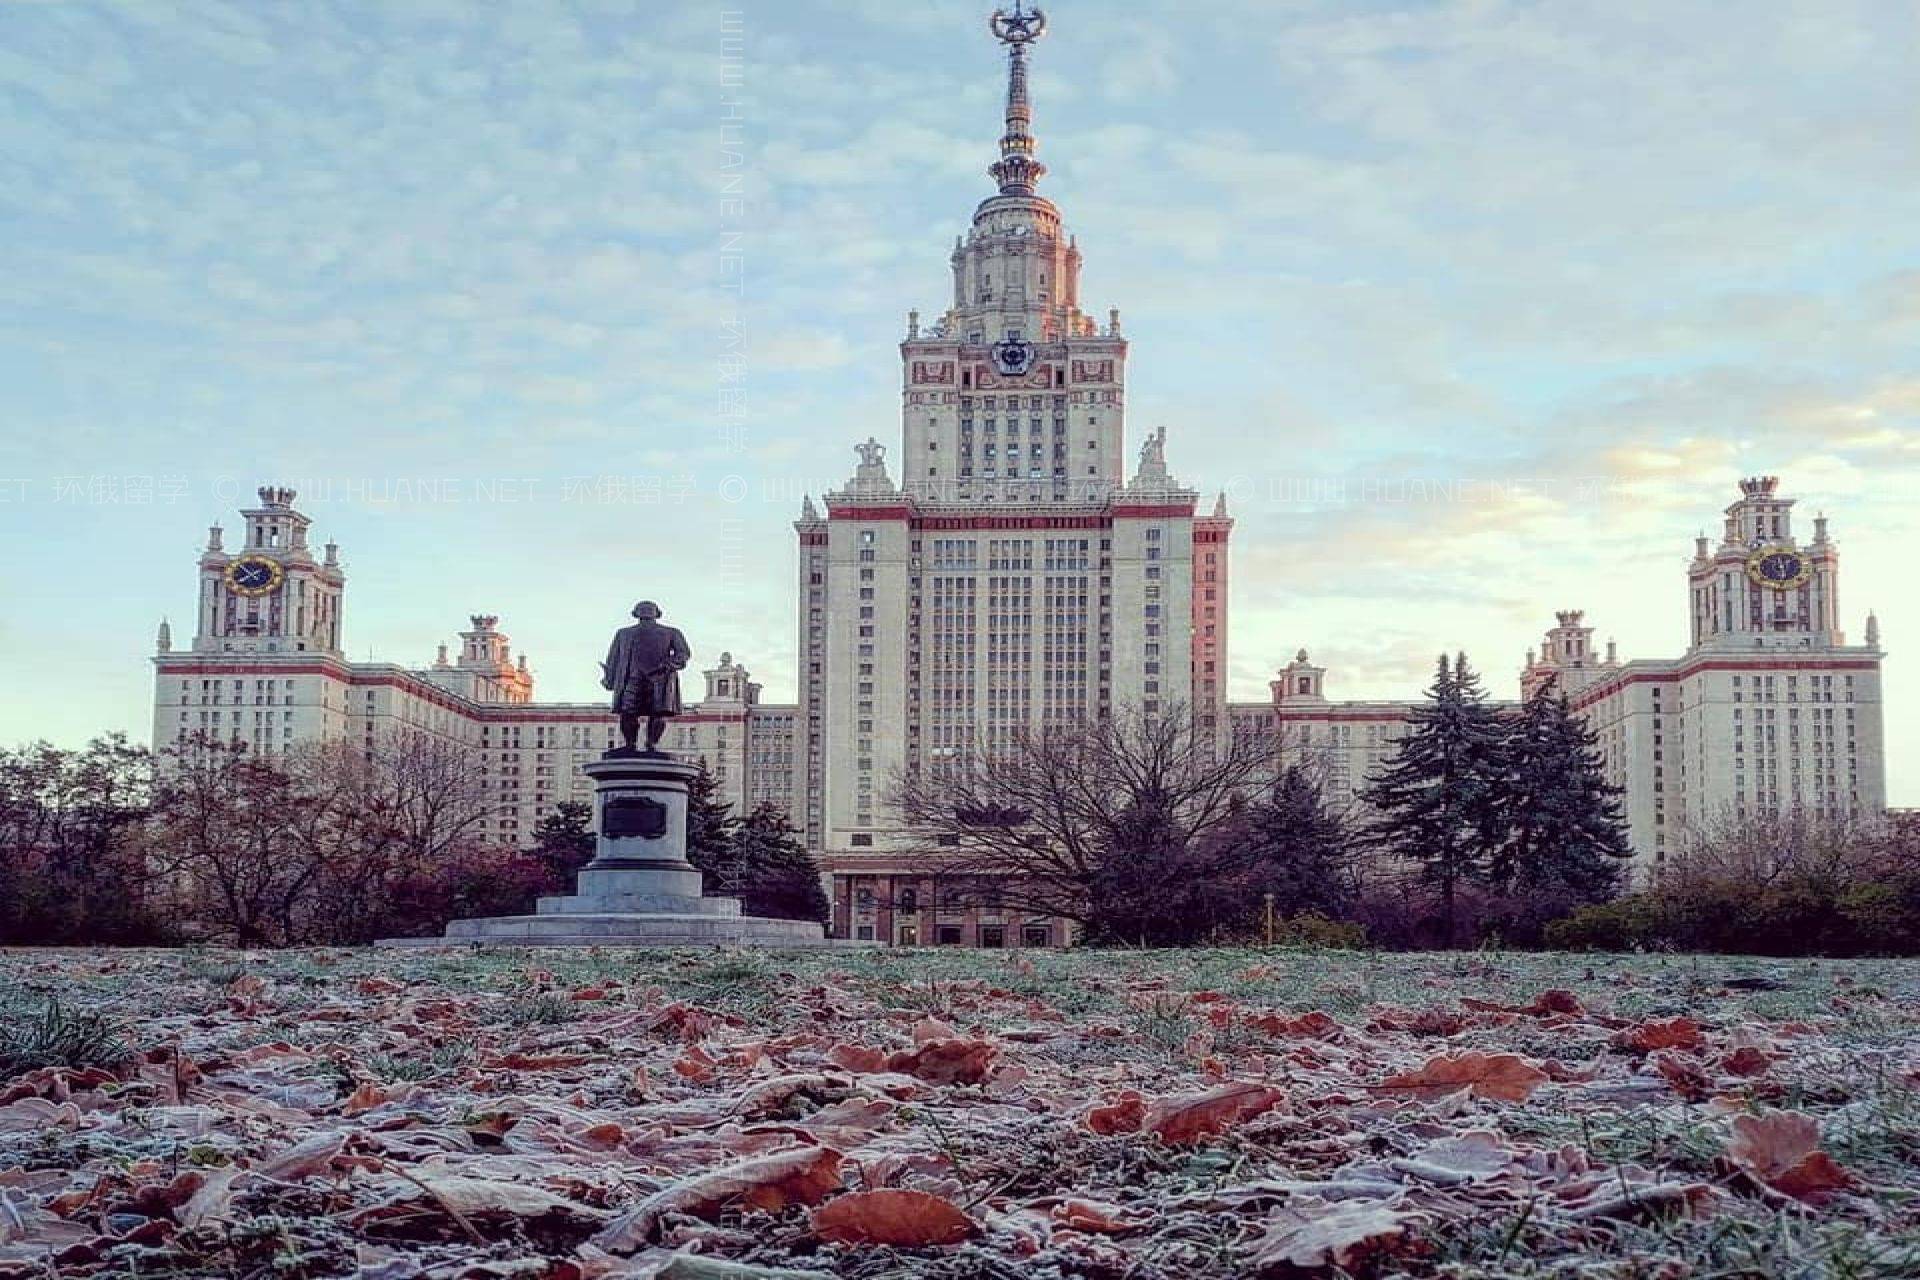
(900, 512)
(1154, 510)
(1766, 660)
(1384, 717)
(955, 522)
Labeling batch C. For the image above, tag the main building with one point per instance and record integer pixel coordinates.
(1008, 570)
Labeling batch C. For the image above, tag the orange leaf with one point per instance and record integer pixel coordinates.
(694, 1063)
(1782, 1149)
(1556, 1001)
(1317, 1025)
(947, 1061)
(1687, 1077)
(1122, 1115)
(1094, 1216)
(1503, 1076)
(857, 1057)
(1192, 1117)
(799, 1175)
(910, 1219)
(538, 1062)
(1746, 1061)
(1671, 1033)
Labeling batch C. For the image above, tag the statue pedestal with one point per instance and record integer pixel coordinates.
(639, 890)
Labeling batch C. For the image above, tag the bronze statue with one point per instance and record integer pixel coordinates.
(642, 669)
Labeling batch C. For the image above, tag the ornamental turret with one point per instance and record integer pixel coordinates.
(270, 596)
(1761, 589)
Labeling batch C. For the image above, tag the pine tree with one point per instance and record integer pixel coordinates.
(778, 877)
(1436, 800)
(710, 832)
(1561, 818)
(563, 841)
(1302, 851)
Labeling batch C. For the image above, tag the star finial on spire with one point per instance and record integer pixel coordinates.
(1016, 170)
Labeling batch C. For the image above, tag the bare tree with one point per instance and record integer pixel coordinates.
(1766, 848)
(410, 810)
(324, 843)
(1055, 819)
(226, 827)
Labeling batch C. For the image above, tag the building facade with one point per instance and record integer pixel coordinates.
(1007, 571)
(265, 667)
(1011, 573)
(1768, 711)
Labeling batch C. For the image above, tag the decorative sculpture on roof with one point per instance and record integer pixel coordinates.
(1021, 26)
(1153, 452)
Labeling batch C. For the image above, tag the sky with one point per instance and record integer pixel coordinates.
(1477, 309)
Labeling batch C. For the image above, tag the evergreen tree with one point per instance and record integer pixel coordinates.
(1562, 824)
(1437, 800)
(777, 876)
(563, 841)
(710, 829)
(1302, 852)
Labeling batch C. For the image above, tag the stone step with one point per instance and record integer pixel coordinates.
(682, 883)
(602, 940)
(603, 904)
(636, 928)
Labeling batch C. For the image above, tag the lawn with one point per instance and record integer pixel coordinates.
(1136, 1115)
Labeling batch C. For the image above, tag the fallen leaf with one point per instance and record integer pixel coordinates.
(1188, 1118)
(1746, 1061)
(692, 1266)
(1688, 1078)
(1669, 1033)
(479, 1197)
(798, 1175)
(947, 1061)
(538, 1062)
(857, 1057)
(1506, 1077)
(1316, 1237)
(1123, 1115)
(909, 1219)
(1095, 1216)
(303, 1159)
(1782, 1149)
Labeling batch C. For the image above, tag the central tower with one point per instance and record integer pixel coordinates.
(1004, 572)
(1013, 394)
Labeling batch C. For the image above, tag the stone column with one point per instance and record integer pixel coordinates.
(640, 841)
(639, 812)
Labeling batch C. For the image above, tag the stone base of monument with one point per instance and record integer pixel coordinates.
(639, 890)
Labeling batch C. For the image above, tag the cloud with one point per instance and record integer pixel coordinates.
(1477, 306)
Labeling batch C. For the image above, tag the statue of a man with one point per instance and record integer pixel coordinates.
(643, 671)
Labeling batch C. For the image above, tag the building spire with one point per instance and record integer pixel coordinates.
(1016, 170)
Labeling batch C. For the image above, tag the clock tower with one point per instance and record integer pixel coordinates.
(270, 595)
(1761, 588)
(1014, 395)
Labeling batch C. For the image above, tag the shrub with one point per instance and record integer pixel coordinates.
(1631, 923)
(1314, 930)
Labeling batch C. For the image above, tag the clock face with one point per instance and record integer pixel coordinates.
(1013, 356)
(254, 575)
(1781, 568)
